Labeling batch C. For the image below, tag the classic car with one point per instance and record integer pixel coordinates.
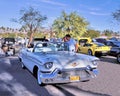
(52, 63)
(92, 48)
(115, 51)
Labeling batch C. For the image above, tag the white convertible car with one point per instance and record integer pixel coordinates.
(52, 63)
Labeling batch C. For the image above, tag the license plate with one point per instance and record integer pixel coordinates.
(74, 78)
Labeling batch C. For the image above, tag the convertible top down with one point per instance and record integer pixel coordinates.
(52, 63)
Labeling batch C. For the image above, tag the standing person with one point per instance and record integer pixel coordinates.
(64, 39)
(72, 44)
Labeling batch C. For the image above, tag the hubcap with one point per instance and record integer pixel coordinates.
(89, 52)
(22, 65)
(38, 78)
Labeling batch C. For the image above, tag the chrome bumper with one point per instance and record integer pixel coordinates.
(63, 76)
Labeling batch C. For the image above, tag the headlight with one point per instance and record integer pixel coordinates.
(88, 67)
(48, 65)
(95, 62)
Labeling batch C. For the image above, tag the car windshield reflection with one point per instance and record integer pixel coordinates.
(51, 47)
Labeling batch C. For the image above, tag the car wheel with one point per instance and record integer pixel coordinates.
(89, 52)
(23, 66)
(118, 58)
(39, 79)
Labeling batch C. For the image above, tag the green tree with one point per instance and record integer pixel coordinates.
(116, 15)
(12, 35)
(108, 33)
(2, 28)
(91, 33)
(70, 24)
(31, 20)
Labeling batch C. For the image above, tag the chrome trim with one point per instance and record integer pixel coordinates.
(63, 76)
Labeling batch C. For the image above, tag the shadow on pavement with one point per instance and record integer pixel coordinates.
(88, 93)
(109, 59)
(14, 81)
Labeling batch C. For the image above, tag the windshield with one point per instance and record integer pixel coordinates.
(117, 44)
(99, 44)
(47, 47)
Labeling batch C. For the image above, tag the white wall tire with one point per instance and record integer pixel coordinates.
(39, 79)
(22, 65)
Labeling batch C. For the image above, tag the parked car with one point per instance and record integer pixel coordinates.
(20, 40)
(93, 48)
(113, 43)
(52, 63)
(115, 51)
(113, 38)
(84, 40)
(36, 40)
(100, 40)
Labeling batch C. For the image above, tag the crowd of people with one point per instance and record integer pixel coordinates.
(67, 39)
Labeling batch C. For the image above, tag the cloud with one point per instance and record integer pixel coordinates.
(99, 14)
(94, 9)
(53, 3)
(33, 4)
(90, 8)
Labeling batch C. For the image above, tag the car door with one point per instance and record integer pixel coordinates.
(32, 60)
(23, 56)
(84, 48)
(28, 58)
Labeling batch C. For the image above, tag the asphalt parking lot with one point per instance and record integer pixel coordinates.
(14, 81)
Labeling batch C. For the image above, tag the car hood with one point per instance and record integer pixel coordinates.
(67, 59)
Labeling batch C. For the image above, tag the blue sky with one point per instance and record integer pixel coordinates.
(96, 12)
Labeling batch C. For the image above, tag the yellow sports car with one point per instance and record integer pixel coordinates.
(92, 48)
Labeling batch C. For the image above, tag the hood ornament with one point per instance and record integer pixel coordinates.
(74, 64)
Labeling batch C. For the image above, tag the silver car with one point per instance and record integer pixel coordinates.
(52, 63)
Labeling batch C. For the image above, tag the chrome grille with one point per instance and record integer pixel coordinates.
(67, 74)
